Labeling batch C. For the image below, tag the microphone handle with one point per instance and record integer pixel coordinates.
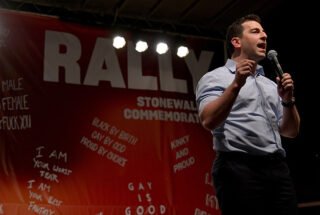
(279, 70)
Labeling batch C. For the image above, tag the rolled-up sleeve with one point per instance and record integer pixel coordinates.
(208, 89)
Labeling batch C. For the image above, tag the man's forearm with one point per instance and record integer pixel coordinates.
(217, 111)
(290, 122)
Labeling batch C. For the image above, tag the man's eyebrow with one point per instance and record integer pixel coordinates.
(256, 28)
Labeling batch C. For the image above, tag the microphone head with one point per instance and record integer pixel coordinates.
(271, 54)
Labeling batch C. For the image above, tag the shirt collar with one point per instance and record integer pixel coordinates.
(231, 65)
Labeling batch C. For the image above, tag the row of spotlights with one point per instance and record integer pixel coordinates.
(141, 46)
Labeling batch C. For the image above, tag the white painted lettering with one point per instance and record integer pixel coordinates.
(44, 187)
(212, 201)
(62, 52)
(12, 85)
(183, 164)
(130, 186)
(53, 201)
(39, 210)
(61, 170)
(89, 144)
(15, 103)
(167, 81)
(59, 156)
(182, 153)
(102, 151)
(30, 183)
(135, 78)
(108, 141)
(39, 155)
(40, 164)
(104, 54)
(179, 142)
(33, 195)
(49, 176)
(55, 58)
(199, 67)
(104, 126)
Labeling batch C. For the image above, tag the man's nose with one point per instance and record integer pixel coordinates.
(264, 35)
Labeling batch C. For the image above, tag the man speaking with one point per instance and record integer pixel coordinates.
(246, 112)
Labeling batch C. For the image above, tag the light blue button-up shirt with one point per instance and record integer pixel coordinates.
(254, 121)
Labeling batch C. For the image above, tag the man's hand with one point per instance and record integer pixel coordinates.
(290, 123)
(243, 70)
(285, 88)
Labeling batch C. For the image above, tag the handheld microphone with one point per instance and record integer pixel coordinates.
(272, 56)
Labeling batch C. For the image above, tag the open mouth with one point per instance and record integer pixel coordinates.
(262, 45)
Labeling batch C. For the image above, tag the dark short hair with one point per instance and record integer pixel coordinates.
(236, 29)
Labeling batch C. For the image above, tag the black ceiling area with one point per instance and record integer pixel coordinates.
(200, 18)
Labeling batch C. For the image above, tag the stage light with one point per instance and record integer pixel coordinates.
(141, 46)
(182, 51)
(118, 42)
(162, 48)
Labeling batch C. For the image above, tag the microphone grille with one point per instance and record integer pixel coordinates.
(271, 54)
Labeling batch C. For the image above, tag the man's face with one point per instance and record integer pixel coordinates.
(253, 41)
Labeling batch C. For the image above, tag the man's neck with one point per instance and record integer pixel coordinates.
(239, 58)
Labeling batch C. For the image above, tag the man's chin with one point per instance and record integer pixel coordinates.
(260, 56)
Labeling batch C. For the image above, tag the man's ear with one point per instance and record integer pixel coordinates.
(236, 42)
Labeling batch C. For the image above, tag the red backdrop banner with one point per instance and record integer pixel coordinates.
(89, 129)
